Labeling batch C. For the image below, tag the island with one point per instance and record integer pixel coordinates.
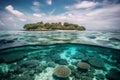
(40, 26)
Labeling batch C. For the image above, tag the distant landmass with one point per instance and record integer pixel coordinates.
(40, 26)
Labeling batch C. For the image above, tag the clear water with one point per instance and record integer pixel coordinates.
(101, 38)
(34, 55)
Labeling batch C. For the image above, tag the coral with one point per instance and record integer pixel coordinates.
(100, 76)
(62, 71)
(113, 74)
(55, 57)
(4, 68)
(86, 78)
(62, 62)
(45, 75)
(96, 62)
(83, 65)
(90, 74)
(51, 64)
(16, 69)
(91, 54)
(30, 63)
(75, 73)
(13, 57)
(78, 55)
(23, 77)
(41, 67)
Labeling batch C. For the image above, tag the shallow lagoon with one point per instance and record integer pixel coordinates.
(101, 38)
(34, 55)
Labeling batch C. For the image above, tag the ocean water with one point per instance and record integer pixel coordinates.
(34, 55)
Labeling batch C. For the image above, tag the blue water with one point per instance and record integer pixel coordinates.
(34, 55)
(102, 38)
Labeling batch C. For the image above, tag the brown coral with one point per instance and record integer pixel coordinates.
(83, 65)
(62, 71)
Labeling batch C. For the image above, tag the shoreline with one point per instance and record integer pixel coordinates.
(53, 30)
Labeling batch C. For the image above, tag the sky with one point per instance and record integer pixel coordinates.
(93, 14)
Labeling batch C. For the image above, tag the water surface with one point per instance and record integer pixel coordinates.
(102, 38)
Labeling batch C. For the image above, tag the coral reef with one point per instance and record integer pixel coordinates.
(4, 68)
(78, 55)
(83, 66)
(113, 74)
(96, 62)
(23, 77)
(30, 63)
(59, 62)
(62, 71)
(100, 76)
(12, 57)
(51, 64)
(62, 62)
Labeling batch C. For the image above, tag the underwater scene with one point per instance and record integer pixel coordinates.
(59, 55)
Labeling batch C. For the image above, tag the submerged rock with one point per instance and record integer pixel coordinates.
(30, 63)
(113, 74)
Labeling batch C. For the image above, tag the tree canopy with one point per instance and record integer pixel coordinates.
(52, 26)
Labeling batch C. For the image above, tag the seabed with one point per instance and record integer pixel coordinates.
(35, 55)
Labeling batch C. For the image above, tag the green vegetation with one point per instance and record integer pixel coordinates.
(53, 26)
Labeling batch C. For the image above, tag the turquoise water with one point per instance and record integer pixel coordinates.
(35, 55)
(101, 38)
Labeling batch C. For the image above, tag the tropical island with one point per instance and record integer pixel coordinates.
(40, 26)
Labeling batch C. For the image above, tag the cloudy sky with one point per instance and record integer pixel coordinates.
(93, 14)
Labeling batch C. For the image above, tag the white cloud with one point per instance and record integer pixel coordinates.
(102, 18)
(36, 6)
(12, 22)
(38, 15)
(22, 19)
(108, 12)
(83, 4)
(70, 14)
(49, 2)
(11, 9)
(106, 17)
